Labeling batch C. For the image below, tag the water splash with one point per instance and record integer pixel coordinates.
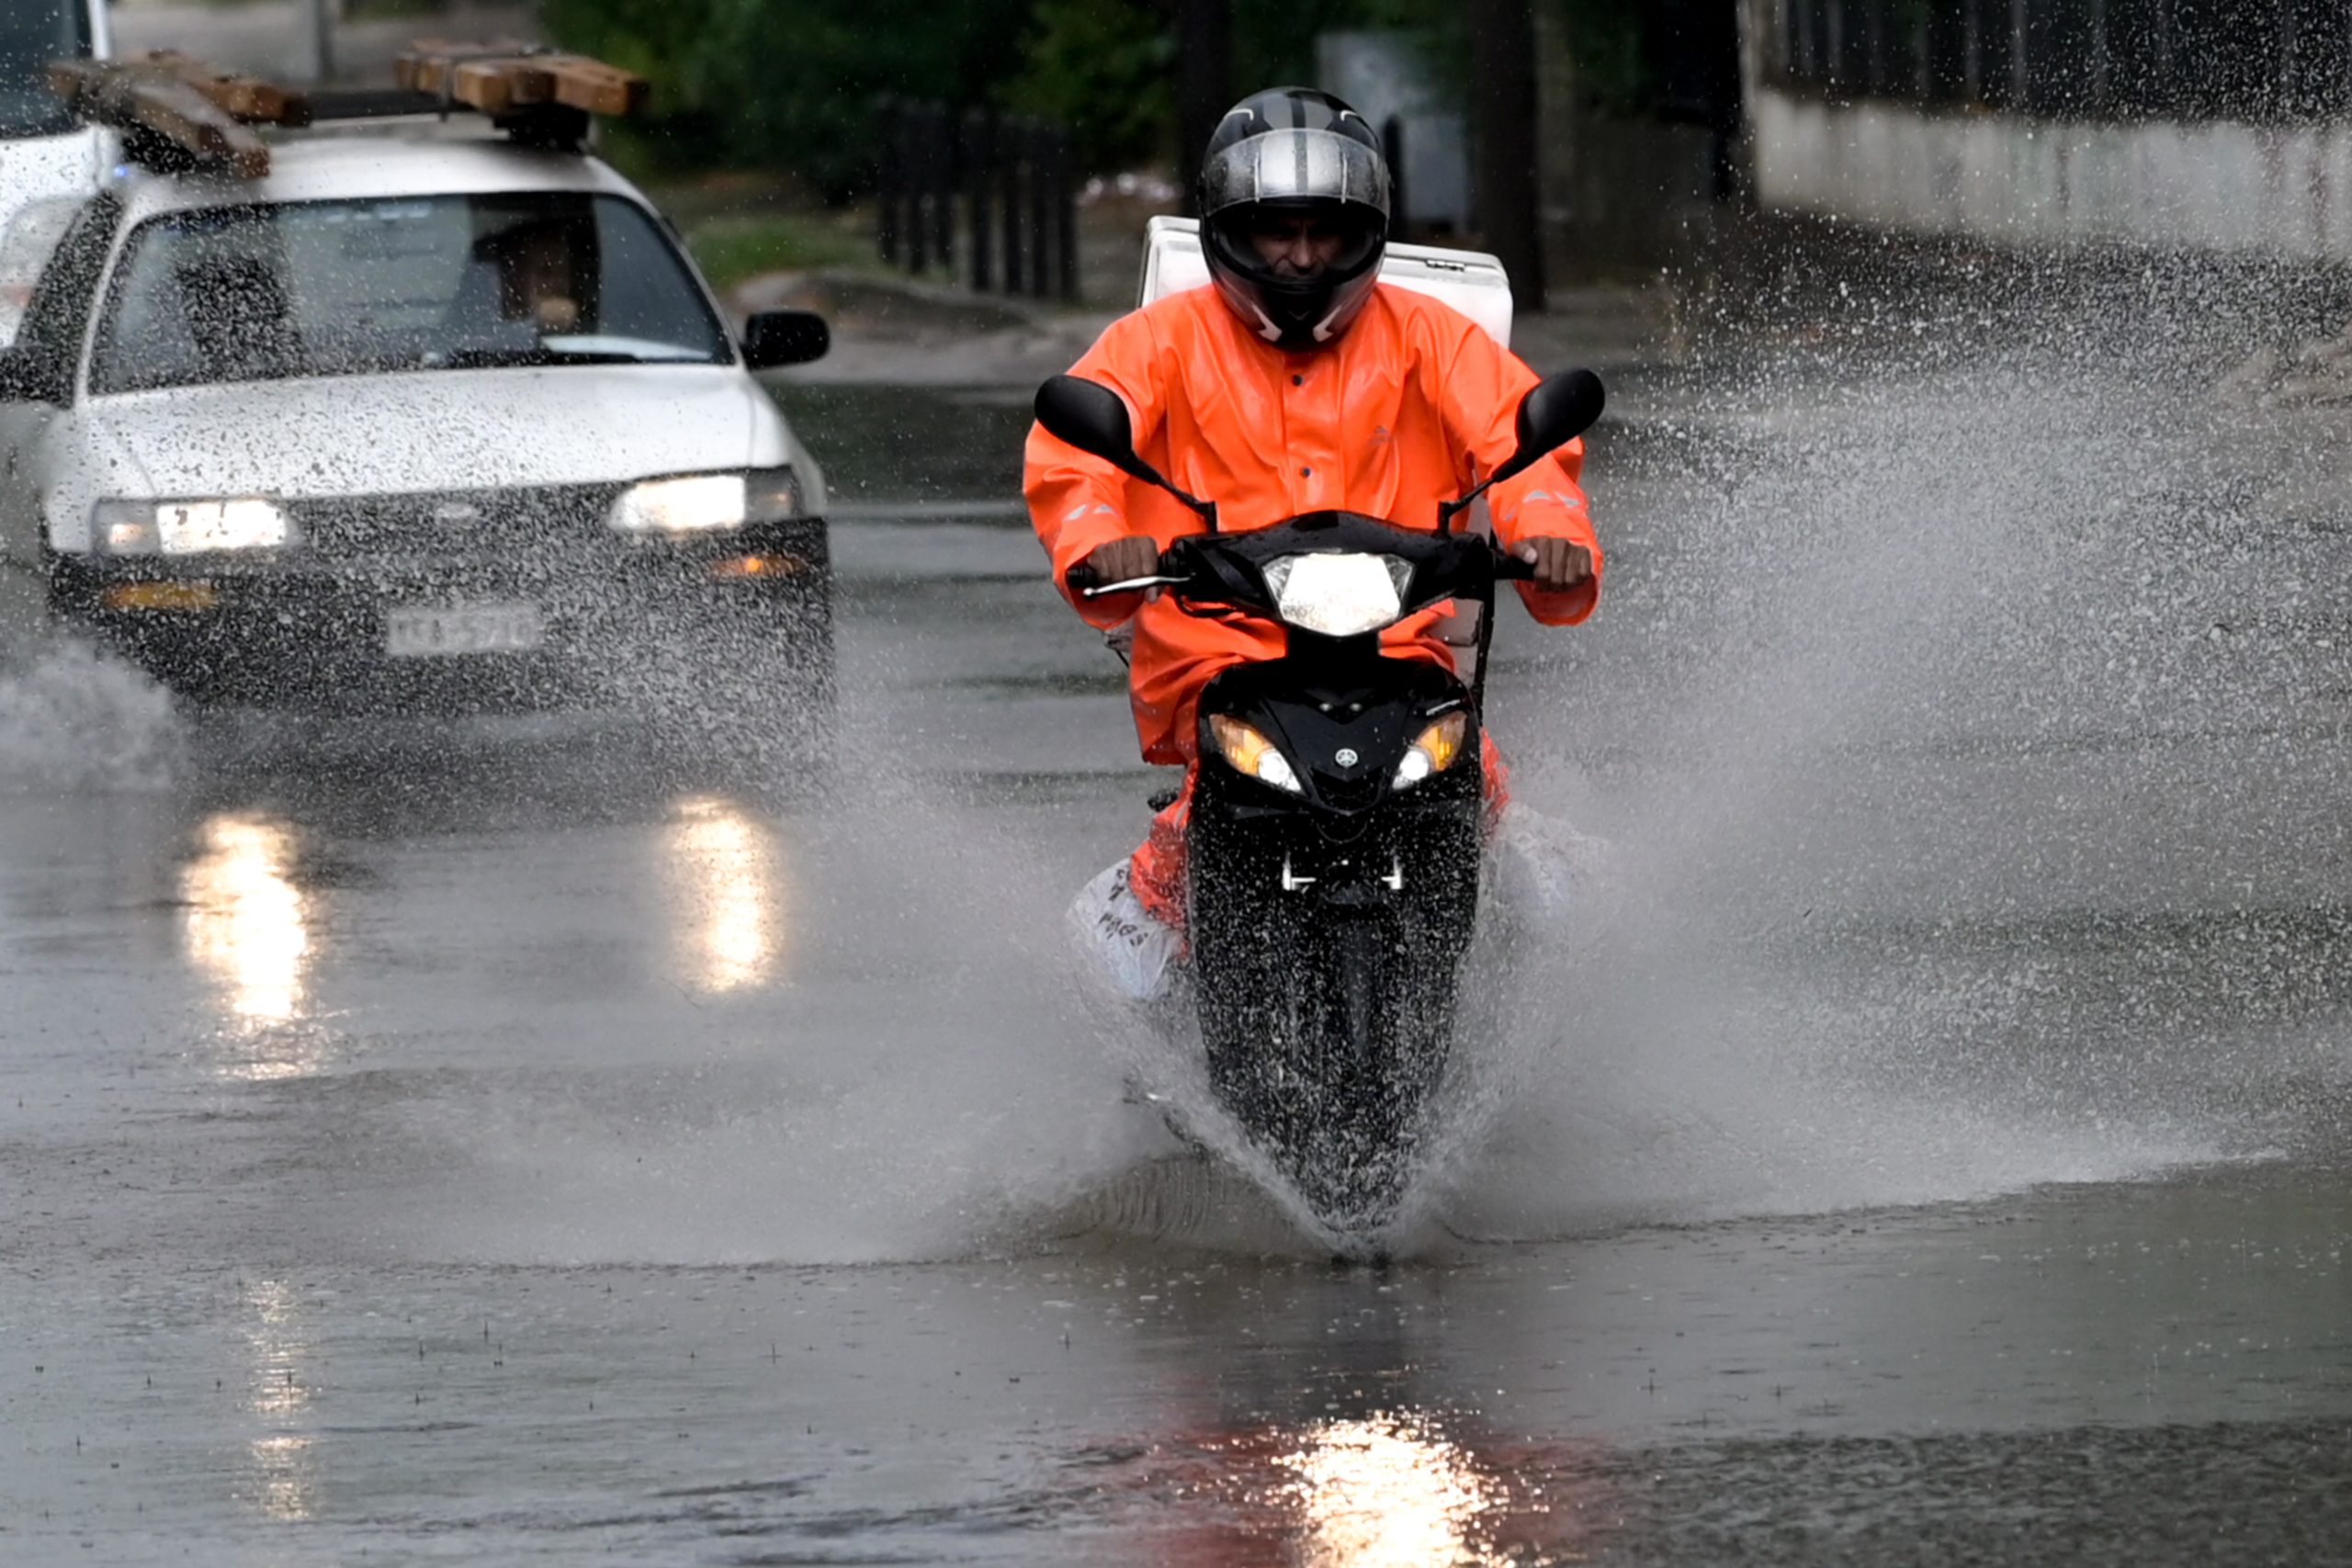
(73, 719)
(1965, 737)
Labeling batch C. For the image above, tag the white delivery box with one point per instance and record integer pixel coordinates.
(1471, 281)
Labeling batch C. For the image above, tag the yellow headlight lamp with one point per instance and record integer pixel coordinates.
(1436, 748)
(1248, 751)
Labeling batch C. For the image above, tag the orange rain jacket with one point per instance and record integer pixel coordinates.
(1408, 408)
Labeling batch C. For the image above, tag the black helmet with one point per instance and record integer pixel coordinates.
(1294, 152)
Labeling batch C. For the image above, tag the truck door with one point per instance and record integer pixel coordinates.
(41, 372)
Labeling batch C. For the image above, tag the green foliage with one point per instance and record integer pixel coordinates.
(730, 249)
(1605, 44)
(791, 84)
(1105, 68)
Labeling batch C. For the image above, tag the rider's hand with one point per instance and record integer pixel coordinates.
(1125, 560)
(1559, 563)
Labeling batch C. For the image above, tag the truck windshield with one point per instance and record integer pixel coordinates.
(33, 33)
(411, 283)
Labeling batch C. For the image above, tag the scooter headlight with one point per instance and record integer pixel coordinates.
(1338, 595)
(1250, 752)
(1435, 750)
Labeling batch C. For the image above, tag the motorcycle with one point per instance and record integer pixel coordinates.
(1335, 835)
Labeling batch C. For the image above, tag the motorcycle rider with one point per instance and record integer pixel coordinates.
(1296, 383)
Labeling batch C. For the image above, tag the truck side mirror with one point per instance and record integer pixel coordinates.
(774, 338)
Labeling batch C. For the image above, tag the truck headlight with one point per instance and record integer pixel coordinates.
(189, 527)
(1250, 752)
(698, 503)
(1435, 750)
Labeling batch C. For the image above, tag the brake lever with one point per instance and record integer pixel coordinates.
(1132, 585)
(1176, 563)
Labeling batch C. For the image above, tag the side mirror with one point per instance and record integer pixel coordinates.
(1555, 411)
(1091, 417)
(774, 338)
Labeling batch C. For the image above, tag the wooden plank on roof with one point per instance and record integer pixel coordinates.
(143, 97)
(591, 84)
(505, 77)
(501, 87)
(428, 64)
(246, 98)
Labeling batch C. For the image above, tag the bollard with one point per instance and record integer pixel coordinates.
(939, 135)
(1065, 213)
(1008, 164)
(1035, 147)
(888, 174)
(911, 163)
(979, 160)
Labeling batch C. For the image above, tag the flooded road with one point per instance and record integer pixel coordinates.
(505, 1145)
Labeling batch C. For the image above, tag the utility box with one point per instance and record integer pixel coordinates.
(1471, 281)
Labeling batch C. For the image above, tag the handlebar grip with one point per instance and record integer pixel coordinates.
(1083, 576)
(1508, 568)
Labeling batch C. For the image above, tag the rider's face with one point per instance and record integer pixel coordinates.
(1297, 244)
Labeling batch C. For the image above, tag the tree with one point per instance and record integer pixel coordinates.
(1103, 69)
(792, 84)
(1205, 81)
(1504, 142)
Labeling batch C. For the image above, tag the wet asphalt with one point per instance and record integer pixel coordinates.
(514, 1141)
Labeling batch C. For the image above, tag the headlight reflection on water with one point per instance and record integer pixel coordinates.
(1381, 1493)
(729, 884)
(286, 1486)
(284, 1483)
(247, 923)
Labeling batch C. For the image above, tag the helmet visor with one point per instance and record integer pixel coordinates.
(1291, 241)
(1295, 166)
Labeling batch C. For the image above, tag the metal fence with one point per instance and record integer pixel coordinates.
(985, 194)
(2257, 60)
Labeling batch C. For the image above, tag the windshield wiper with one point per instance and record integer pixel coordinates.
(512, 358)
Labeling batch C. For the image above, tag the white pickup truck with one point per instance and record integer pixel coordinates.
(415, 417)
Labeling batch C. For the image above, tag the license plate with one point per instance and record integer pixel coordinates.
(421, 631)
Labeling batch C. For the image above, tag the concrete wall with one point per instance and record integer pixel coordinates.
(2219, 186)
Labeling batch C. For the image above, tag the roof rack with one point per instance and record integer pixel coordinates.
(177, 113)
